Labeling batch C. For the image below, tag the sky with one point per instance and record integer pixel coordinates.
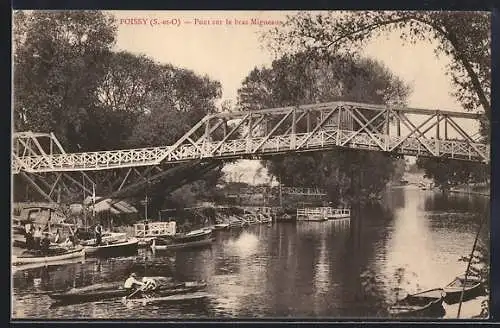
(228, 52)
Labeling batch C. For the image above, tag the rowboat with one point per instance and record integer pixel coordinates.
(220, 226)
(165, 287)
(428, 303)
(195, 238)
(29, 266)
(55, 254)
(236, 223)
(127, 246)
(170, 298)
(107, 237)
(473, 288)
(175, 245)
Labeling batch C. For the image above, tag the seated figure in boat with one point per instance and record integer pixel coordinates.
(132, 283)
(45, 243)
(69, 242)
(37, 237)
(149, 283)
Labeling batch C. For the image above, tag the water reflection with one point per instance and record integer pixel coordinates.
(318, 269)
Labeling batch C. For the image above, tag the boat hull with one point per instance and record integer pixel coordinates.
(191, 244)
(123, 248)
(222, 226)
(421, 305)
(20, 260)
(72, 297)
(453, 294)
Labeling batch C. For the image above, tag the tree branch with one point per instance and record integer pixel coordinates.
(370, 27)
(467, 65)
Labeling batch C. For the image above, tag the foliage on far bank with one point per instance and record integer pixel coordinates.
(462, 37)
(448, 173)
(68, 80)
(300, 79)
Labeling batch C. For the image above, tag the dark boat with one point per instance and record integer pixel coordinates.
(120, 247)
(115, 290)
(195, 238)
(427, 304)
(473, 288)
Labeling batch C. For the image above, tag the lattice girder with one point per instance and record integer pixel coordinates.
(284, 130)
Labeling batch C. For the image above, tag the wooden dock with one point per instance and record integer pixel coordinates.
(322, 214)
(145, 232)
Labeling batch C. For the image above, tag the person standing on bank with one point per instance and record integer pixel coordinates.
(98, 234)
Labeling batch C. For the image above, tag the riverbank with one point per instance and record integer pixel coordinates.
(482, 189)
(468, 192)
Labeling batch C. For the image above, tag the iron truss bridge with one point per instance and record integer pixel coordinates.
(260, 134)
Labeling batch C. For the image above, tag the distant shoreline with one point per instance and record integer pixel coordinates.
(463, 191)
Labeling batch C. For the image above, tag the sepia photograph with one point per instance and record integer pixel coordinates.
(243, 165)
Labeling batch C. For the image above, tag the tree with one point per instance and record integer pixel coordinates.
(295, 79)
(463, 36)
(68, 81)
(185, 98)
(451, 173)
(56, 73)
(126, 93)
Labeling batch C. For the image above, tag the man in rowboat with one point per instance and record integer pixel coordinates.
(132, 284)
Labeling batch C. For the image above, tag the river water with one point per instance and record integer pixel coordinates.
(291, 270)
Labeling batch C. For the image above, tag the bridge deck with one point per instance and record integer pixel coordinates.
(277, 131)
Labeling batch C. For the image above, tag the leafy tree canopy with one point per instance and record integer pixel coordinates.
(296, 79)
(462, 36)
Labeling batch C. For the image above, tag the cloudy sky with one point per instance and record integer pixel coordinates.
(227, 53)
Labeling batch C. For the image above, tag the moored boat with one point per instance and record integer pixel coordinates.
(428, 303)
(29, 266)
(471, 288)
(54, 254)
(236, 222)
(107, 237)
(195, 238)
(104, 291)
(220, 226)
(120, 247)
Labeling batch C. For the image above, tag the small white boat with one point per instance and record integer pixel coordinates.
(119, 247)
(220, 226)
(107, 237)
(35, 257)
(28, 266)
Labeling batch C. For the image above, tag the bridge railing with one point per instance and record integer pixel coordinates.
(154, 229)
(324, 212)
(237, 148)
(275, 131)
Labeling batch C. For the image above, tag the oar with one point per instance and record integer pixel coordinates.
(132, 294)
